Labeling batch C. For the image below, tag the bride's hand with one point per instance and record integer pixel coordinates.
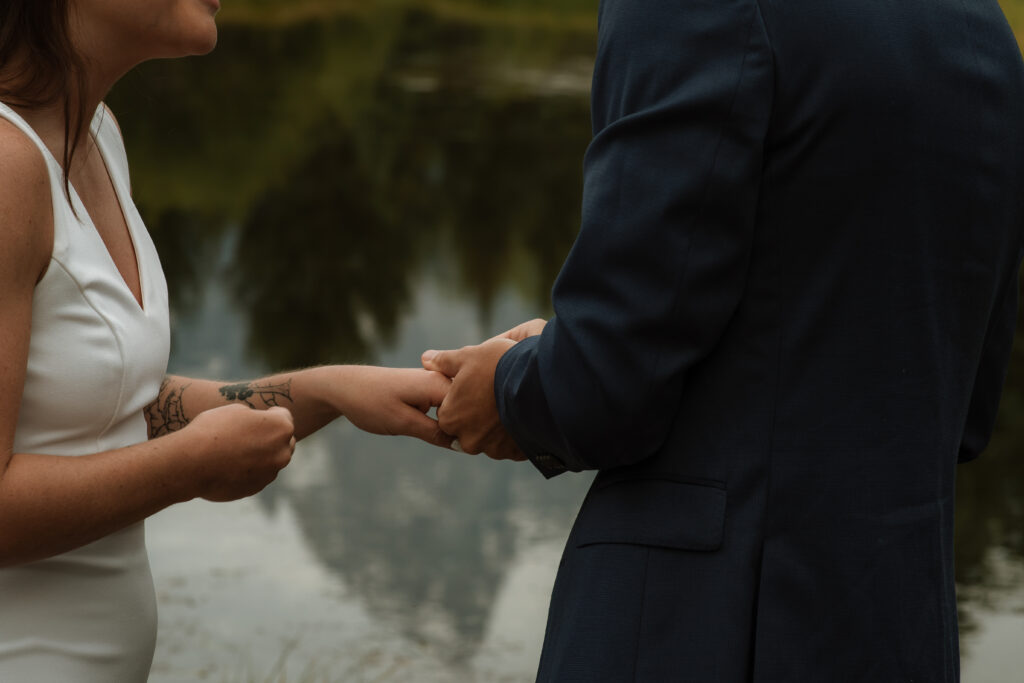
(393, 401)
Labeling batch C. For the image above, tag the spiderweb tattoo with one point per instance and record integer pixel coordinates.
(270, 394)
(166, 414)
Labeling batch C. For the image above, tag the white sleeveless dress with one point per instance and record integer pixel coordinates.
(96, 359)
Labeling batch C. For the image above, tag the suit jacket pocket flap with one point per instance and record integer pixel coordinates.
(654, 512)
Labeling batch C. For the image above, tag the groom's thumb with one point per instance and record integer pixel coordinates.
(445, 362)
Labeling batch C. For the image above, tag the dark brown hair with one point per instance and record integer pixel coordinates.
(39, 67)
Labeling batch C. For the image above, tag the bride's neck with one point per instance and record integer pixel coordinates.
(50, 120)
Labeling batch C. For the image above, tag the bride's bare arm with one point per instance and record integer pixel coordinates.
(51, 504)
(390, 401)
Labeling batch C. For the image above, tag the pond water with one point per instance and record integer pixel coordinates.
(359, 187)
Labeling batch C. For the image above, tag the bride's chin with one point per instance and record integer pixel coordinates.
(203, 44)
(208, 47)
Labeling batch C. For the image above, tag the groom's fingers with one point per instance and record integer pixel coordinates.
(435, 392)
(427, 429)
(523, 330)
(445, 362)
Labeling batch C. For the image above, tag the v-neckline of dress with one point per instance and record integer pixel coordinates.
(122, 206)
(82, 214)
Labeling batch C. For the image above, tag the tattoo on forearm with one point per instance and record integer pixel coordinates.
(270, 394)
(166, 414)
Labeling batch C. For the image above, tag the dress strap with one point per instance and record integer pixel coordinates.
(108, 137)
(63, 215)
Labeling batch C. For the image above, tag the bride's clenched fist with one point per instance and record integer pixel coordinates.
(238, 450)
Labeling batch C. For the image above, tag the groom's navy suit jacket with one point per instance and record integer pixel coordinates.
(786, 317)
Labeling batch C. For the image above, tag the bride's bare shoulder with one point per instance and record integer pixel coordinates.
(26, 204)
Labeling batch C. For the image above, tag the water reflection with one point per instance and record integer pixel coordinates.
(364, 187)
(990, 507)
(332, 162)
(426, 538)
(321, 269)
(425, 547)
(423, 540)
(333, 247)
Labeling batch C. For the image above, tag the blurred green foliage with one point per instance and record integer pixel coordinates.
(1014, 10)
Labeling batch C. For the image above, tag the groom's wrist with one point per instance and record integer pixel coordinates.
(523, 408)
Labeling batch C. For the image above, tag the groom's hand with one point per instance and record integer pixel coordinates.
(469, 412)
(521, 331)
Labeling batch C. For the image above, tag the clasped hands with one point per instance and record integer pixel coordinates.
(468, 413)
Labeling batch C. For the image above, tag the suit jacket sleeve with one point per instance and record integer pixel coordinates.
(681, 99)
(988, 385)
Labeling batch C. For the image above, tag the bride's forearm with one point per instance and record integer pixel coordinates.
(52, 504)
(379, 400)
(306, 393)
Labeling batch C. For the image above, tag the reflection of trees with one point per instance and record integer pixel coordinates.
(514, 185)
(186, 251)
(414, 545)
(340, 169)
(342, 157)
(425, 536)
(321, 268)
(324, 259)
(212, 133)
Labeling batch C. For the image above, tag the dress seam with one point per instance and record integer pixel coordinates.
(120, 351)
